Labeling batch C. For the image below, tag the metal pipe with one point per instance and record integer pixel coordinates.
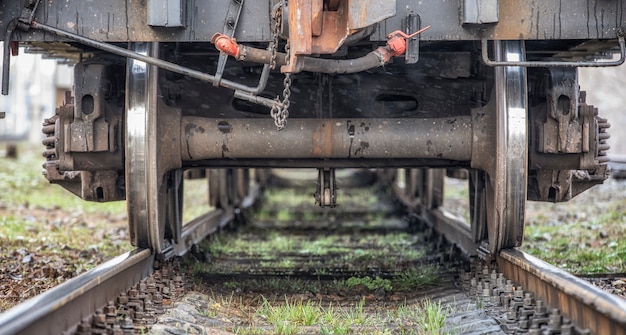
(433, 138)
(338, 163)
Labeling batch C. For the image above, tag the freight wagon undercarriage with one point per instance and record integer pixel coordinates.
(162, 87)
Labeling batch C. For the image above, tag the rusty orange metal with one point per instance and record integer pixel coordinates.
(300, 34)
(317, 19)
(396, 44)
(321, 27)
(225, 44)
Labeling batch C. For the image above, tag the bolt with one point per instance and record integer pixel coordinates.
(122, 299)
(99, 319)
(554, 324)
(500, 281)
(508, 287)
(567, 328)
(230, 22)
(109, 309)
(540, 309)
(528, 301)
(506, 300)
(133, 293)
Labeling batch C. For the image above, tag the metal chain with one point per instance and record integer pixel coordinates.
(278, 14)
(280, 111)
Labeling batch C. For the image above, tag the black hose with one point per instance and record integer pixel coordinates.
(372, 60)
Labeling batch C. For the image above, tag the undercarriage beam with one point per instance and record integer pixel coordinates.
(434, 138)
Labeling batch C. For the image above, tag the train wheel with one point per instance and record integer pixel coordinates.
(498, 199)
(478, 204)
(153, 192)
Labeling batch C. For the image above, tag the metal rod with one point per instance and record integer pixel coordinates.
(620, 61)
(352, 139)
(6, 59)
(150, 60)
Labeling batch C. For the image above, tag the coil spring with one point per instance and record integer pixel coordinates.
(603, 135)
(48, 128)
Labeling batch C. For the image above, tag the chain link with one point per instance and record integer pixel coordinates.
(278, 18)
(280, 111)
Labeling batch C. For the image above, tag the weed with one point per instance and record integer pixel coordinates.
(333, 323)
(357, 315)
(247, 330)
(288, 316)
(231, 285)
(369, 283)
(416, 278)
(426, 318)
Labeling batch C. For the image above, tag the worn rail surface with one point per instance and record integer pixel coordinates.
(584, 304)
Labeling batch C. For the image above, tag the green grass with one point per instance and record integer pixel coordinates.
(296, 316)
(22, 183)
(427, 318)
(30, 205)
(17, 233)
(581, 245)
(286, 318)
(371, 284)
(416, 278)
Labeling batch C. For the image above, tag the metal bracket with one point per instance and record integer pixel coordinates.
(28, 14)
(490, 62)
(230, 25)
(413, 43)
(326, 194)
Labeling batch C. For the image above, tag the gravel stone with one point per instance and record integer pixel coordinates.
(187, 317)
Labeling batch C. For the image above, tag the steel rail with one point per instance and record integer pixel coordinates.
(586, 305)
(65, 306)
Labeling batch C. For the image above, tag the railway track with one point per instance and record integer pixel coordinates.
(322, 251)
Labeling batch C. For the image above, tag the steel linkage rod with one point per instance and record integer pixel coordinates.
(147, 59)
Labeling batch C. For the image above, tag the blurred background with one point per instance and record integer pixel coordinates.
(37, 87)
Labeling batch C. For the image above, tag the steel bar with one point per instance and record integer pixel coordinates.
(149, 60)
(586, 305)
(65, 306)
(321, 163)
(594, 63)
(434, 138)
(6, 57)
